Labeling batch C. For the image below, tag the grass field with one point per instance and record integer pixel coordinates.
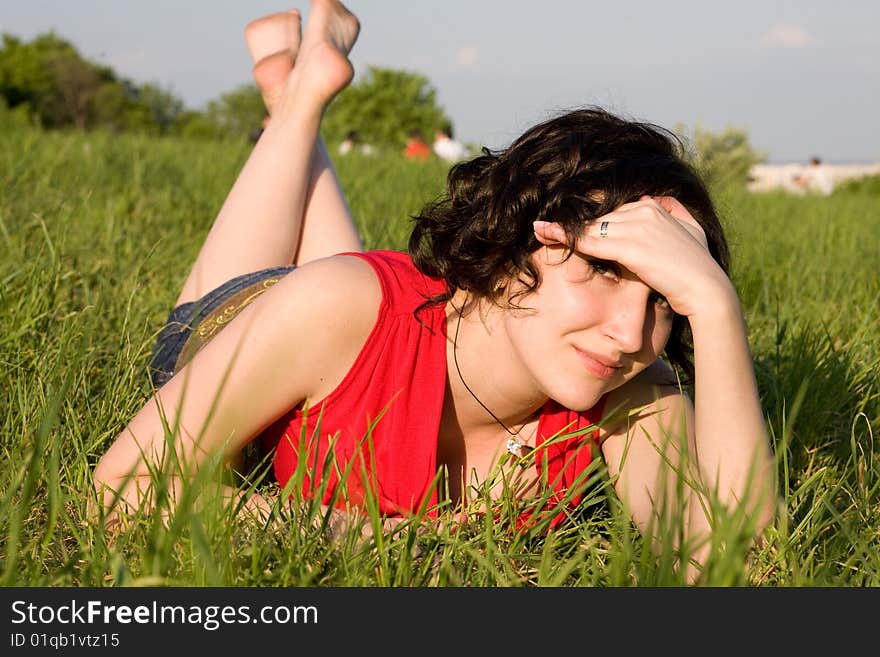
(98, 233)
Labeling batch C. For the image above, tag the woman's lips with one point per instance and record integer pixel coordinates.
(599, 366)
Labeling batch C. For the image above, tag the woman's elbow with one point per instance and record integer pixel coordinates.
(105, 484)
(766, 506)
(113, 484)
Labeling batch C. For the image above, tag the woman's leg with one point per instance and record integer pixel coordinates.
(260, 224)
(326, 227)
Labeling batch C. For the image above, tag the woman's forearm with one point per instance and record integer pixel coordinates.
(126, 497)
(733, 450)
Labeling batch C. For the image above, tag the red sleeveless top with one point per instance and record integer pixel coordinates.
(378, 429)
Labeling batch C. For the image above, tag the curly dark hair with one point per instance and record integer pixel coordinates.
(571, 169)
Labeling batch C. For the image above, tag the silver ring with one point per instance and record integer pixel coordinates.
(603, 229)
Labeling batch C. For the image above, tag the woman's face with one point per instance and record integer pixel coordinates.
(589, 327)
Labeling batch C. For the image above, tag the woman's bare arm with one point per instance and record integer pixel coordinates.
(669, 458)
(295, 342)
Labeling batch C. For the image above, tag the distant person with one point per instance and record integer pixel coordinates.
(520, 336)
(416, 148)
(816, 178)
(447, 148)
(353, 141)
(347, 144)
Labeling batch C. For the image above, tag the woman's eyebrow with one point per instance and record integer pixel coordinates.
(598, 261)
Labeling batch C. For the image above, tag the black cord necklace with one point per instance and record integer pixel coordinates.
(514, 445)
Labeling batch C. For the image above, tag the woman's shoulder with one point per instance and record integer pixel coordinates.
(362, 287)
(402, 284)
(334, 280)
(350, 301)
(329, 306)
(328, 302)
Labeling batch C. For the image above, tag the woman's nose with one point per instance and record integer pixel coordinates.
(626, 324)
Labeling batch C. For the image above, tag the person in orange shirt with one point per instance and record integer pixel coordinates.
(416, 148)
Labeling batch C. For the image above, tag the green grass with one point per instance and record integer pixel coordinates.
(97, 233)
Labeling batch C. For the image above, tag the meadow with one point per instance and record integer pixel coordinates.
(97, 233)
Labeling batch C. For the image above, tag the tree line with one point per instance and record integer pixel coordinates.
(48, 83)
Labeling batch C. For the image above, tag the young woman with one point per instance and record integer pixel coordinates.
(527, 320)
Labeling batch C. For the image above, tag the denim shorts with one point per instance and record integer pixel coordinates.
(191, 325)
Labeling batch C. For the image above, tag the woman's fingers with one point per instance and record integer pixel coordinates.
(655, 216)
(588, 241)
(549, 233)
(677, 211)
(673, 208)
(670, 207)
(645, 211)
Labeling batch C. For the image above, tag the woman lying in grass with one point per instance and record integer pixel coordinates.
(520, 335)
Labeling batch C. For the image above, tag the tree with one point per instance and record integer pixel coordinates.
(195, 124)
(160, 109)
(25, 79)
(723, 158)
(13, 118)
(238, 113)
(75, 83)
(48, 79)
(49, 76)
(110, 104)
(383, 107)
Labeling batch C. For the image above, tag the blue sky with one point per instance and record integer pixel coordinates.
(802, 77)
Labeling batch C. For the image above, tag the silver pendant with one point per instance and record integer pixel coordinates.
(517, 448)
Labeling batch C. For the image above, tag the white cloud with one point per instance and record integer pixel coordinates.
(466, 57)
(783, 35)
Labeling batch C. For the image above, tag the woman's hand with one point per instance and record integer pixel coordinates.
(659, 241)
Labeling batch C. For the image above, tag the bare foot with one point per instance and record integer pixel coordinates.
(322, 66)
(330, 20)
(273, 42)
(280, 32)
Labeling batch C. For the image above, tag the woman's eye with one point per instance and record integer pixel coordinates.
(583, 268)
(604, 268)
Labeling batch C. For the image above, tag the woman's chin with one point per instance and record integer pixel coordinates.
(580, 400)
